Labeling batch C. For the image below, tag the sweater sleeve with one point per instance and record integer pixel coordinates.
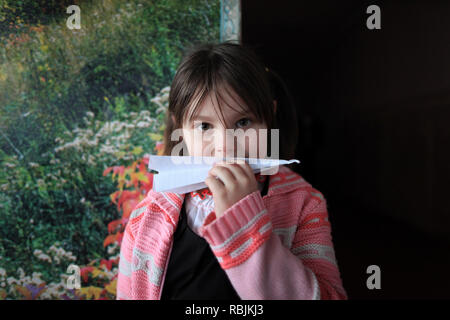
(123, 290)
(261, 266)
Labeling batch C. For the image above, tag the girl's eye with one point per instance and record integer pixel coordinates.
(244, 122)
(203, 126)
(240, 124)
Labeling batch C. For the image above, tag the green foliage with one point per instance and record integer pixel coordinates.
(19, 12)
(124, 49)
(39, 214)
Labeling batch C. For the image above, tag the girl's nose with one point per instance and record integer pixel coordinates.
(224, 154)
(224, 144)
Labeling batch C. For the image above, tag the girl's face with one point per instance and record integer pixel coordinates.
(205, 135)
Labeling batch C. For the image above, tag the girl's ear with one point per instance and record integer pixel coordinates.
(274, 106)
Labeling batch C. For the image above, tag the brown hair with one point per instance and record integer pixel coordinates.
(212, 67)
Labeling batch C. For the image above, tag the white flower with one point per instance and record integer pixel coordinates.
(40, 182)
(145, 113)
(166, 90)
(36, 278)
(44, 257)
(143, 124)
(148, 119)
(112, 248)
(107, 149)
(21, 273)
(33, 164)
(118, 127)
(160, 109)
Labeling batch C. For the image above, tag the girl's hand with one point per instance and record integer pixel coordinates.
(237, 180)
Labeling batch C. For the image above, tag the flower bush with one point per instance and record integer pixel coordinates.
(50, 76)
(88, 147)
(78, 111)
(100, 275)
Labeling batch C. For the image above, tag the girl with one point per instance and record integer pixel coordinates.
(245, 236)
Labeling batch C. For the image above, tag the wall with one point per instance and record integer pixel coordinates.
(374, 104)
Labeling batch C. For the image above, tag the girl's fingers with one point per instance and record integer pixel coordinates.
(236, 169)
(213, 184)
(246, 168)
(224, 174)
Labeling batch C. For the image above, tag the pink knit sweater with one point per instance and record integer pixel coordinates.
(274, 247)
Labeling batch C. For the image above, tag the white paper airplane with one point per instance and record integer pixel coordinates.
(183, 174)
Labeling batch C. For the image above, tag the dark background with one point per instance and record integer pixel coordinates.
(374, 109)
